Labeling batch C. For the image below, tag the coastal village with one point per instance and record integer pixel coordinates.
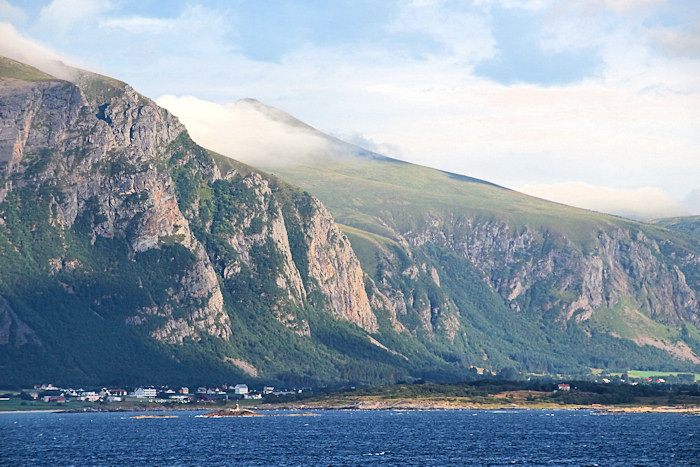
(51, 397)
(49, 393)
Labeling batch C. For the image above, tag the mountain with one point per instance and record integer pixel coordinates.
(130, 255)
(486, 276)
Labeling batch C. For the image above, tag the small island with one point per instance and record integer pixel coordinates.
(225, 413)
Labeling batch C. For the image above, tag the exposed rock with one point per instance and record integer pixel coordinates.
(243, 365)
(335, 268)
(104, 156)
(12, 328)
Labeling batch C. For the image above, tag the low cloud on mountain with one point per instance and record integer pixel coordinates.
(17, 47)
(247, 131)
(642, 203)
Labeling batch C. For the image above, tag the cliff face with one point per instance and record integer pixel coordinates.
(541, 273)
(102, 160)
(618, 264)
(104, 198)
(334, 270)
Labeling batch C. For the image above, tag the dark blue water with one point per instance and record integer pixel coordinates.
(353, 438)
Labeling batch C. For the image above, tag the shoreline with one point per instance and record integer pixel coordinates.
(401, 405)
(611, 409)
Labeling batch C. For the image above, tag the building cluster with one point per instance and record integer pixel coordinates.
(163, 394)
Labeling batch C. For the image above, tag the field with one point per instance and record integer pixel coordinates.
(15, 404)
(658, 374)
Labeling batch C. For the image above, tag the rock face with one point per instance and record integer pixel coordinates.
(624, 283)
(335, 271)
(136, 223)
(101, 157)
(621, 265)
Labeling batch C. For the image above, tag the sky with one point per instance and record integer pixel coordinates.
(594, 103)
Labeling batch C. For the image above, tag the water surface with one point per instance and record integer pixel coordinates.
(496, 437)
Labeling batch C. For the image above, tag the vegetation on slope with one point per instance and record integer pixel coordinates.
(12, 69)
(400, 216)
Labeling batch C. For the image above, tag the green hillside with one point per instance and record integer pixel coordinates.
(483, 240)
(13, 69)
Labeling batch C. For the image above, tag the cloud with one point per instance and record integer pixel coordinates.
(463, 36)
(362, 141)
(9, 12)
(642, 203)
(692, 201)
(623, 6)
(247, 131)
(62, 15)
(678, 43)
(140, 24)
(15, 46)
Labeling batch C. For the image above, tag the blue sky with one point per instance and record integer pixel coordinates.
(590, 102)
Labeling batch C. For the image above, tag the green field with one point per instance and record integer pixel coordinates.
(16, 404)
(658, 374)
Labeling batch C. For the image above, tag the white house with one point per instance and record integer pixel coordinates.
(181, 398)
(145, 393)
(241, 389)
(89, 396)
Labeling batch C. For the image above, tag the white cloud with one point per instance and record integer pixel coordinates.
(678, 43)
(508, 134)
(642, 203)
(11, 13)
(624, 6)
(692, 201)
(62, 15)
(247, 131)
(524, 4)
(17, 47)
(140, 24)
(465, 35)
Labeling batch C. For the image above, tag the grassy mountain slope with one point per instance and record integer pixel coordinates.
(486, 276)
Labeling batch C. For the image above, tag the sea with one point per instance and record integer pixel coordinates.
(423, 438)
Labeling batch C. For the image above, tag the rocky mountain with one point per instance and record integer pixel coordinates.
(485, 276)
(129, 253)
